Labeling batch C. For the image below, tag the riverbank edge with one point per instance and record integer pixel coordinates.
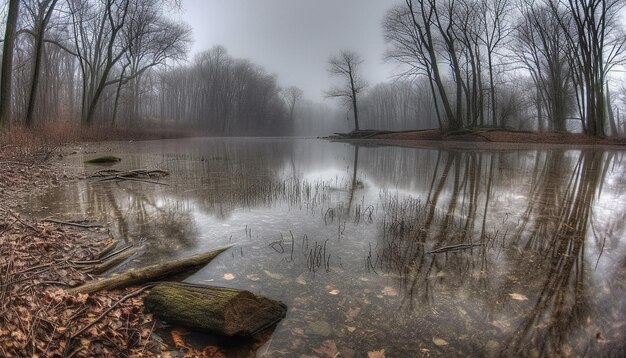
(31, 170)
(491, 139)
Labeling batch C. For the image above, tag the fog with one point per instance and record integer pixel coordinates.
(293, 39)
(281, 68)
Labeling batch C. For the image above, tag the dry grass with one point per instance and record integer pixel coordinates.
(59, 133)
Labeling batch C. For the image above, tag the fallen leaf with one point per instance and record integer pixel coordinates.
(518, 297)
(328, 349)
(228, 276)
(177, 338)
(82, 298)
(390, 291)
(212, 352)
(440, 342)
(376, 354)
(301, 280)
(275, 276)
(352, 313)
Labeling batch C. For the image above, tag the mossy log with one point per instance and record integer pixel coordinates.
(150, 273)
(212, 309)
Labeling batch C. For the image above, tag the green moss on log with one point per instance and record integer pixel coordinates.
(212, 309)
(103, 160)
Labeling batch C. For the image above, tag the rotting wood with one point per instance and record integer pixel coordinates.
(212, 309)
(149, 273)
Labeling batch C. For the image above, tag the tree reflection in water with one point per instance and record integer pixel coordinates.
(544, 256)
(541, 269)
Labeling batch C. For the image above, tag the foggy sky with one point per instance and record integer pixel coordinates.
(293, 38)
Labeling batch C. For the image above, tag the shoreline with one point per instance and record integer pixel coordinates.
(40, 259)
(484, 139)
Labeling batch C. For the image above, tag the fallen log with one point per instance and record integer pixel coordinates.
(212, 309)
(150, 273)
(107, 249)
(113, 261)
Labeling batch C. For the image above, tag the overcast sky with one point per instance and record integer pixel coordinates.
(293, 38)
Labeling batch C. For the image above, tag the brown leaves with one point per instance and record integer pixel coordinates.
(328, 349)
(39, 316)
(376, 354)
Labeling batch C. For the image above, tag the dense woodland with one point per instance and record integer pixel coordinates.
(532, 65)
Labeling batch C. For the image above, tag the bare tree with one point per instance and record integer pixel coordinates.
(410, 49)
(597, 46)
(346, 66)
(496, 30)
(543, 50)
(292, 95)
(150, 40)
(7, 63)
(41, 13)
(97, 28)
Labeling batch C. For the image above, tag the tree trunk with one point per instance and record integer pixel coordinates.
(354, 105)
(149, 273)
(41, 30)
(7, 63)
(609, 110)
(211, 309)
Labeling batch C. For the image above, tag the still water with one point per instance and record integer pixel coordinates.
(385, 251)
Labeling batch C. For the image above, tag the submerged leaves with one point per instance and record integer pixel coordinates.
(518, 297)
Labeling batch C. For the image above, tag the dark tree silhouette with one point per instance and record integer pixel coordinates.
(346, 66)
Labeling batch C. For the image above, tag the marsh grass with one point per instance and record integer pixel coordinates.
(64, 132)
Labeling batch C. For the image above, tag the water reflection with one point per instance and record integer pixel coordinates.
(417, 252)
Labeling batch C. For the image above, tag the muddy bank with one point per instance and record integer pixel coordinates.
(41, 259)
(38, 260)
(479, 138)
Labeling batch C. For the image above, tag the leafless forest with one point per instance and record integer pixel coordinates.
(532, 65)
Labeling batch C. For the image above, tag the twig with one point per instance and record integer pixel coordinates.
(70, 223)
(118, 178)
(25, 224)
(130, 295)
(453, 248)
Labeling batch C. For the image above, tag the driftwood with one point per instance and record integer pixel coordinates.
(212, 309)
(453, 248)
(141, 175)
(72, 223)
(107, 249)
(113, 261)
(149, 273)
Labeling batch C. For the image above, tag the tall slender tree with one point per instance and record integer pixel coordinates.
(347, 66)
(7, 63)
(42, 15)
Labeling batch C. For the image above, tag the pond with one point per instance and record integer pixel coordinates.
(385, 251)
